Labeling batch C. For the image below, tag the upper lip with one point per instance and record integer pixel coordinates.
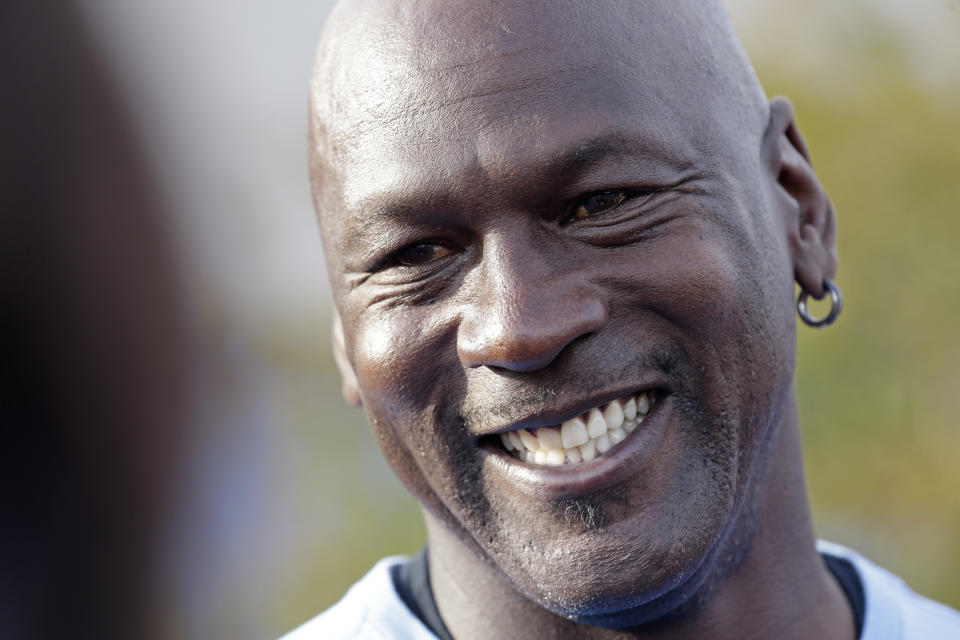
(551, 417)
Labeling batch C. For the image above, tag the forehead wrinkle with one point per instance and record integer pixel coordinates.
(378, 106)
(464, 106)
(432, 72)
(403, 200)
(537, 85)
(416, 38)
(385, 217)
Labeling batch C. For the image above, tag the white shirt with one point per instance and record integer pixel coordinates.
(372, 610)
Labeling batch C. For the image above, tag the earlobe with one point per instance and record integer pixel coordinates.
(809, 219)
(350, 388)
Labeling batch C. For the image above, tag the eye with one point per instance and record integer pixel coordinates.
(420, 254)
(598, 203)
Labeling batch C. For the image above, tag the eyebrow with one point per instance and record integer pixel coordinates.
(380, 208)
(586, 154)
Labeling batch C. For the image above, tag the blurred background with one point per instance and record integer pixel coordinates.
(279, 499)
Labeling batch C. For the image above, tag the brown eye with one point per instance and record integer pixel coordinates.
(598, 203)
(421, 254)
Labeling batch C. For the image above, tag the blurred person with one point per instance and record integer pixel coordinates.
(563, 241)
(94, 346)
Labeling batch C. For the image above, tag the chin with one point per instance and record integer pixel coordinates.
(622, 574)
(641, 534)
(647, 603)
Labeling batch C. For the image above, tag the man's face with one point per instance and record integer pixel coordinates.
(528, 218)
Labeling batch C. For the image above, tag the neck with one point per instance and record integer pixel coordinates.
(779, 589)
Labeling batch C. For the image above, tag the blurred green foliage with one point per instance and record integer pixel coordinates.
(879, 392)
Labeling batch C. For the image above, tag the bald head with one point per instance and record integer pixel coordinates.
(394, 77)
(530, 210)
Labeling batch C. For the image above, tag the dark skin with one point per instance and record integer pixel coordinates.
(530, 211)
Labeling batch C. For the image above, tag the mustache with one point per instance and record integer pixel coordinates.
(513, 396)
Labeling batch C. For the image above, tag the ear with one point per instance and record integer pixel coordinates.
(809, 220)
(350, 388)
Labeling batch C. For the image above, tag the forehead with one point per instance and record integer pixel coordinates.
(421, 98)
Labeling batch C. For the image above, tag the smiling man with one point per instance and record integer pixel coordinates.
(563, 239)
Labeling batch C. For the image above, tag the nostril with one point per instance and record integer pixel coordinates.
(527, 353)
(532, 358)
(530, 341)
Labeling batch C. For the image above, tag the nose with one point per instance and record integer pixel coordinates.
(525, 309)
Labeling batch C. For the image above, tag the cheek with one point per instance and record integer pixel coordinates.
(728, 303)
(694, 285)
(411, 388)
(399, 355)
(722, 301)
(726, 299)
(381, 368)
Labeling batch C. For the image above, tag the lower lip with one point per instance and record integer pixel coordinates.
(583, 478)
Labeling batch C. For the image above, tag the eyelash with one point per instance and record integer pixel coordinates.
(392, 261)
(628, 197)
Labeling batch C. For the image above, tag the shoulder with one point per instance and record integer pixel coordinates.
(370, 610)
(893, 610)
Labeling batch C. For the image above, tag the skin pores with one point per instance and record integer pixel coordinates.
(449, 172)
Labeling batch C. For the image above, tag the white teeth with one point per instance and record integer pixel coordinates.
(549, 438)
(643, 404)
(573, 433)
(556, 456)
(577, 440)
(603, 443)
(613, 414)
(528, 440)
(588, 451)
(596, 425)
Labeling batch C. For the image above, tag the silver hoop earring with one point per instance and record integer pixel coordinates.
(836, 305)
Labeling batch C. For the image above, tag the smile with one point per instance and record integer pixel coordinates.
(582, 438)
